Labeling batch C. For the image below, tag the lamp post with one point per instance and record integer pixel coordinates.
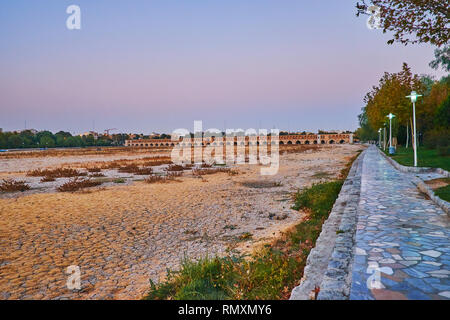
(379, 138)
(384, 137)
(414, 97)
(391, 148)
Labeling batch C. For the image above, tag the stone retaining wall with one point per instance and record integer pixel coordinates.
(329, 262)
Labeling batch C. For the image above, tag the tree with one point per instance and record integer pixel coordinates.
(47, 141)
(3, 140)
(442, 116)
(365, 132)
(432, 111)
(15, 141)
(389, 96)
(442, 59)
(71, 142)
(413, 21)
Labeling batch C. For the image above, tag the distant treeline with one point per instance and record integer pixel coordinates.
(46, 139)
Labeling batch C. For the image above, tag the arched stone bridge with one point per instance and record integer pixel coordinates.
(298, 139)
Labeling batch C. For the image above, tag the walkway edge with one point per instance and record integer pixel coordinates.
(421, 185)
(337, 234)
(407, 169)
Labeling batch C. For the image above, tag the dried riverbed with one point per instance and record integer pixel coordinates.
(123, 235)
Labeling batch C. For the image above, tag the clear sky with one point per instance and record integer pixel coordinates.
(143, 66)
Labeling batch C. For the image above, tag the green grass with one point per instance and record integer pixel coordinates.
(269, 273)
(425, 158)
(443, 193)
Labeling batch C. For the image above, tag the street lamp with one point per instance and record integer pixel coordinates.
(414, 97)
(391, 148)
(379, 138)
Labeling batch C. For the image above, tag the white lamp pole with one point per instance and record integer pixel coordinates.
(414, 97)
(390, 116)
(379, 138)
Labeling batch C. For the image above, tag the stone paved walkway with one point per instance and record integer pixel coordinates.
(402, 239)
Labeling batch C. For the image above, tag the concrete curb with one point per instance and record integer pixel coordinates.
(407, 169)
(328, 262)
(421, 185)
(424, 188)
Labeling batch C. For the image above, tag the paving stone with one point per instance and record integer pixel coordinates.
(410, 233)
(431, 253)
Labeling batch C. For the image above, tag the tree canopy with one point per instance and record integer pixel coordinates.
(413, 21)
(389, 96)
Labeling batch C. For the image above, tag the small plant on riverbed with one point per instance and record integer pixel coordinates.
(97, 175)
(56, 173)
(78, 184)
(174, 167)
(135, 169)
(10, 185)
(201, 172)
(48, 179)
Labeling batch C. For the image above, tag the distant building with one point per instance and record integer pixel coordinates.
(90, 133)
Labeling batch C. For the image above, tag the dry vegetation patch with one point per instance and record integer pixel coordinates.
(56, 173)
(78, 184)
(202, 172)
(10, 185)
(135, 169)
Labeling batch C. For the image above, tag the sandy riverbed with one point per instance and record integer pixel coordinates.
(123, 235)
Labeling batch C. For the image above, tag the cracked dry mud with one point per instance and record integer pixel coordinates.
(122, 236)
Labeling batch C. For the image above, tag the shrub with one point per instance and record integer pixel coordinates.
(10, 185)
(56, 173)
(96, 175)
(175, 167)
(206, 165)
(135, 169)
(154, 179)
(201, 172)
(47, 179)
(77, 184)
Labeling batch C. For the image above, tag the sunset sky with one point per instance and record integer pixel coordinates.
(143, 66)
